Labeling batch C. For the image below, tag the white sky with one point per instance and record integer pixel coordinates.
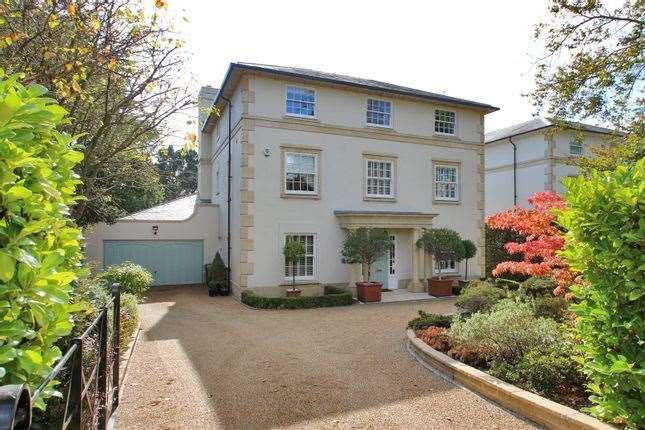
(478, 50)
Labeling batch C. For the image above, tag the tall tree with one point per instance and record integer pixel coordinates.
(594, 62)
(116, 69)
(177, 171)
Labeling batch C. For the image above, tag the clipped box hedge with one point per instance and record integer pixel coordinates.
(332, 297)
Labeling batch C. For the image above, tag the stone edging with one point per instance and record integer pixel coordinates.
(545, 412)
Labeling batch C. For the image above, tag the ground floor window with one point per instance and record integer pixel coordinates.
(303, 269)
(447, 266)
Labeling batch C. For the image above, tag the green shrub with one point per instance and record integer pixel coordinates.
(133, 278)
(479, 297)
(336, 297)
(506, 333)
(538, 287)
(425, 320)
(496, 253)
(604, 242)
(39, 243)
(550, 307)
(443, 244)
(364, 246)
(129, 318)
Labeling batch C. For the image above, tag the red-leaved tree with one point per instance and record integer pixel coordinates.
(543, 240)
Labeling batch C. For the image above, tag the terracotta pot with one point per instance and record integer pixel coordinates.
(293, 293)
(368, 291)
(440, 287)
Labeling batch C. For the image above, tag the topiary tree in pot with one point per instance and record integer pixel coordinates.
(217, 276)
(470, 249)
(364, 246)
(293, 251)
(444, 244)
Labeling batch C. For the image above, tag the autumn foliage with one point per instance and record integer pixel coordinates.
(543, 240)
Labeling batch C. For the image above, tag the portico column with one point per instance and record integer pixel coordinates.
(414, 285)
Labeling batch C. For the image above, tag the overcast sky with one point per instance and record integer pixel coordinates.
(478, 50)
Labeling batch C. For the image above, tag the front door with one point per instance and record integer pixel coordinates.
(384, 269)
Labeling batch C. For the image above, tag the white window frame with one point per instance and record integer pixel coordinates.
(314, 256)
(284, 174)
(435, 181)
(434, 123)
(391, 114)
(367, 177)
(451, 270)
(577, 144)
(295, 115)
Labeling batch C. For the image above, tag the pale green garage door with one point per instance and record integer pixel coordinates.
(171, 262)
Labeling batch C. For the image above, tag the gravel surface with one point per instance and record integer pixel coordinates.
(211, 363)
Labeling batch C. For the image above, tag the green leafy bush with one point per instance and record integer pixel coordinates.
(425, 320)
(538, 287)
(505, 333)
(443, 244)
(479, 297)
(133, 278)
(605, 243)
(333, 297)
(39, 243)
(364, 246)
(129, 318)
(550, 307)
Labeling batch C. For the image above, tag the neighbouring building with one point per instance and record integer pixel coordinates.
(532, 156)
(315, 154)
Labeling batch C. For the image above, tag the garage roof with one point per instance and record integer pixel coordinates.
(174, 210)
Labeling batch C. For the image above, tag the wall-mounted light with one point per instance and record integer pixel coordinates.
(155, 229)
(267, 152)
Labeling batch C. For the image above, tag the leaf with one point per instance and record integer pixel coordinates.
(17, 192)
(7, 267)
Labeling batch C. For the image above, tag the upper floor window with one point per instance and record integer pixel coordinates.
(575, 147)
(379, 178)
(446, 185)
(379, 112)
(444, 121)
(300, 173)
(304, 268)
(301, 102)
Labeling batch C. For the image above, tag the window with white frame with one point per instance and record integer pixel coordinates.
(379, 178)
(446, 182)
(301, 102)
(575, 147)
(446, 266)
(444, 121)
(379, 112)
(300, 173)
(305, 267)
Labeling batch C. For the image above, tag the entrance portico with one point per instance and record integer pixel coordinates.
(412, 222)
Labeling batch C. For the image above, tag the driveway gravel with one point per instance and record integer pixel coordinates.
(212, 363)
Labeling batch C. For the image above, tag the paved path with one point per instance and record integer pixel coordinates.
(211, 363)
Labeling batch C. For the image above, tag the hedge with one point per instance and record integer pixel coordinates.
(332, 297)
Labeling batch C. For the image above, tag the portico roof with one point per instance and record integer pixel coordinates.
(384, 219)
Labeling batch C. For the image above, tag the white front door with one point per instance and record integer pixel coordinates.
(393, 278)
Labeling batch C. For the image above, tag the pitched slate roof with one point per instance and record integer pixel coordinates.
(359, 82)
(539, 124)
(174, 210)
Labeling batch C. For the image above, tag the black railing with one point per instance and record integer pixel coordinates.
(89, 373)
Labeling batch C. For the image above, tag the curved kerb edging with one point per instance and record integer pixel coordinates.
(545, 412)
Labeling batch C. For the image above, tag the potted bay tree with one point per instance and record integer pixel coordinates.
(444, 245)
(293, 251)
(364, 246)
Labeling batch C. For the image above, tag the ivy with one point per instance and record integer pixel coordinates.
(604, 242)
(39, 243)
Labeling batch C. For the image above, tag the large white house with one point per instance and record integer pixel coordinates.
(315, 154)
(532, 156)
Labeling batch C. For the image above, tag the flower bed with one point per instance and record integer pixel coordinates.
(332, 297)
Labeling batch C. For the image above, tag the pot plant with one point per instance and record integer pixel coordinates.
(470, 249)
(293, 251)
(444, 244)
(217, 276)
(364, 246)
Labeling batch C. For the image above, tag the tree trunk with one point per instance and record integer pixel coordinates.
(466, 274)
(366, 272)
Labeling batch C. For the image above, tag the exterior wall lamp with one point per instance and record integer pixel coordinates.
(155, 229)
